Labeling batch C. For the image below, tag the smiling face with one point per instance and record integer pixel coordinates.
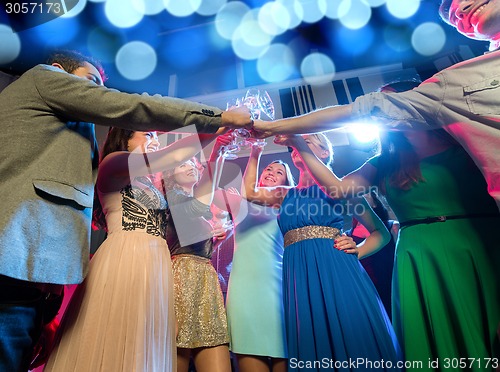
(273, 175)
(146, 141)
(187, 174)
(477, 19)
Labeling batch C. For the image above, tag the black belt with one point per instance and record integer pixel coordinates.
(446, 218)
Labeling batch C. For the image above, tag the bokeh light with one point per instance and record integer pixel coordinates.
(313, 10)
(428, 38)
(403, 9)
(249, 40)
(229, 17)
(11, 44)
(357, 16)
(294, 10)
(317, 68)
(244, 50)
(276, 64)
(148, 7)
(182, 8)
(121, 13)
(375, 3)
(136, 60)
(251, 31)
(336, 9)
(209, 8)
(274, 18)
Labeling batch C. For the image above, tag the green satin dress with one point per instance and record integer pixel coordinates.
(446, 302)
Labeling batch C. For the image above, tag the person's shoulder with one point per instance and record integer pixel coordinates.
(32, 75)
(42, 70)
(479, 61)
(176, 195)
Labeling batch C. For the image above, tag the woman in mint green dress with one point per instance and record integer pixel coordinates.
(446, 303)
(254, 301)
(255, 311)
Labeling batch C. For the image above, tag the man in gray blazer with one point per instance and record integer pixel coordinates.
(48, 160)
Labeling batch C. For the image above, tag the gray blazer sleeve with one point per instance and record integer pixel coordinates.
(78, 99)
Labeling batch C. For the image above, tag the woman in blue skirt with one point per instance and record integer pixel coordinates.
(333, 315)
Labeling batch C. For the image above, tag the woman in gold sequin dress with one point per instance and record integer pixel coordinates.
(199, 305)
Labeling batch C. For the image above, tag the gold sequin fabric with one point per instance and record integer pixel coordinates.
(310, 232)
(199, 305)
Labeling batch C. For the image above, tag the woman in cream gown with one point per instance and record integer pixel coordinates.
(121, 317)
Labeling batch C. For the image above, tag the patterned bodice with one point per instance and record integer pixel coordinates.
(136, 207)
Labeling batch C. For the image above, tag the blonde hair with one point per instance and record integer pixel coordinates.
(323, 142)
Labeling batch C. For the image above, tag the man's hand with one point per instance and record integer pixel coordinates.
(238, 117)
(262, 129)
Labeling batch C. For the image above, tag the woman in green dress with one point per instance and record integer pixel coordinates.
(445, 305)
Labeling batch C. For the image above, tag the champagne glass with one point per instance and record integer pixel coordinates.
(251, 101)
(257, 102)
(240, 136)
(229, 151)
(266, 104)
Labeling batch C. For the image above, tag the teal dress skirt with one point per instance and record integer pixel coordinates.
(333, 314)
(254, 301)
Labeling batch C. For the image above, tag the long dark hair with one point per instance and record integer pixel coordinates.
(380, 209)
(168, 177)
(399, 162)
(116, 140)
